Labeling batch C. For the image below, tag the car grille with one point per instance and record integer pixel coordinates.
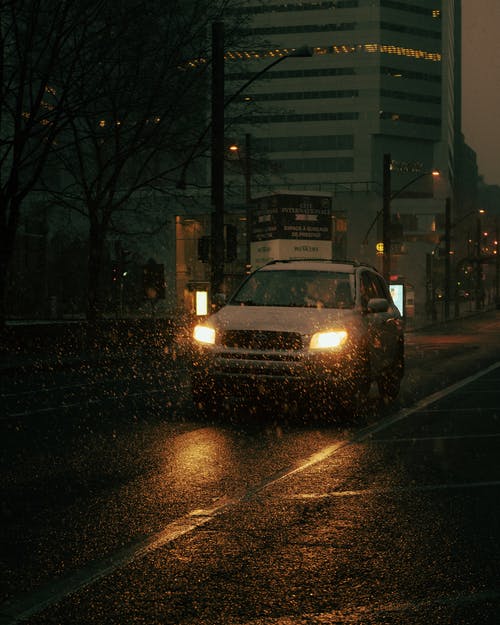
(264, 341)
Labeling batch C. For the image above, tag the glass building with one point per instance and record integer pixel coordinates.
(384, 78)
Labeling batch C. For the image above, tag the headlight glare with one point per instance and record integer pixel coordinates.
(328, 340)
(204, 334)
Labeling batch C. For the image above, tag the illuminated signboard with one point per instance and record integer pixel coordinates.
(397, 293)
(288, 216)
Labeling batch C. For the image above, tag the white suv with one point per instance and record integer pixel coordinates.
(301, 326)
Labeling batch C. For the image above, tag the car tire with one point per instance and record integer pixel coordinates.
(390, 382)
(353, 397)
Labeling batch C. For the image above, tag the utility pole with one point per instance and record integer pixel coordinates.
(217, 171)
(386, 218)
(447, 258)
(478, 272)
(248, 199)
(497, 266)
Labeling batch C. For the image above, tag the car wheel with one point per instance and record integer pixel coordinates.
(390, 382)
(353, 398)
(388, 387)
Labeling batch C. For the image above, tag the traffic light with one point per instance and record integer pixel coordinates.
(204, 249)
(231, 243)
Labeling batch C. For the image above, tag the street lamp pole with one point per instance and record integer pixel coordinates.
(386, 217)
(248, 200)
(217, 160)
(478, 271)
(497, 266)
(447, 258)
(217, 169)
(387, 196)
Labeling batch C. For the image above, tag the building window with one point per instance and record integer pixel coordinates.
(315, 165)
(300, 28)
(295, 73)
(406, 6)
(410, 119)
(410, 30)
(413, 97)
(301, 95)
(396, 72)
(291, 7)
(297, 117)
(351, 48)
(296, 144)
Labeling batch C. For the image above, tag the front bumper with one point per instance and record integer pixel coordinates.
(242, 371)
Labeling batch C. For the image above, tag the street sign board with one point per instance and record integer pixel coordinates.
(288, 216)
(264, 251)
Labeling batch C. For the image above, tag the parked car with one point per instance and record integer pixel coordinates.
(302, 327)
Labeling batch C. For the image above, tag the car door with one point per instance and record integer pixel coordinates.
(382, 327)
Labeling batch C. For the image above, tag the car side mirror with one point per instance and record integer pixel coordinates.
(377, 305)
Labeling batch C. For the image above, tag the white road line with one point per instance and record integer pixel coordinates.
(419, 439)
(423, 403)
(397, 490)
(38, 600)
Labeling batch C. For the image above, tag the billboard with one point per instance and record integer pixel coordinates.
(289, 216)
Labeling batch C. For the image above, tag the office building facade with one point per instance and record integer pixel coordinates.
(384, 78)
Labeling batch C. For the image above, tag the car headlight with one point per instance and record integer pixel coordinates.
(328, 340)
(204, 334)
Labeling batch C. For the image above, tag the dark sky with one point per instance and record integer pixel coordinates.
(481, 84)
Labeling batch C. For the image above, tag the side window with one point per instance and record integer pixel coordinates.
(367, 288)
(380, 287)
(372, 286)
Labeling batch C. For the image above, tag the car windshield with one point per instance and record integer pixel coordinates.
(302, 288)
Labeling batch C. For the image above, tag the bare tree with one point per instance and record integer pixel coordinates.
(37, 89)
(149, 107)
(113, 94)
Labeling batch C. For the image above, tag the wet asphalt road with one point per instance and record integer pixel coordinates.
(393, 521)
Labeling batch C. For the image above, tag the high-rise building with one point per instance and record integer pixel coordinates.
(384, 78)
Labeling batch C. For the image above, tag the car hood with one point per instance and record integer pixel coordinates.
(280, 318)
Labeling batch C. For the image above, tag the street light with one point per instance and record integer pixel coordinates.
(387, 197)
(476, 257)
(479, 291)
(247, 173)
(217, 181)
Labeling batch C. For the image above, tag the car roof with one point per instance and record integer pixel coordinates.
(342, 266)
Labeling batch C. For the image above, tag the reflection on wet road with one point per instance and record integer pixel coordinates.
(129, 517)
(397, 522)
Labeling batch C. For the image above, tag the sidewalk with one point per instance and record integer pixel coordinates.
(52, 345)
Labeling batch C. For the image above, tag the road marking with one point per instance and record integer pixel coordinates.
(421, 404)
(418, 439)
(365, 613)
(38, 600)
(393, 489)
(34, 602)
